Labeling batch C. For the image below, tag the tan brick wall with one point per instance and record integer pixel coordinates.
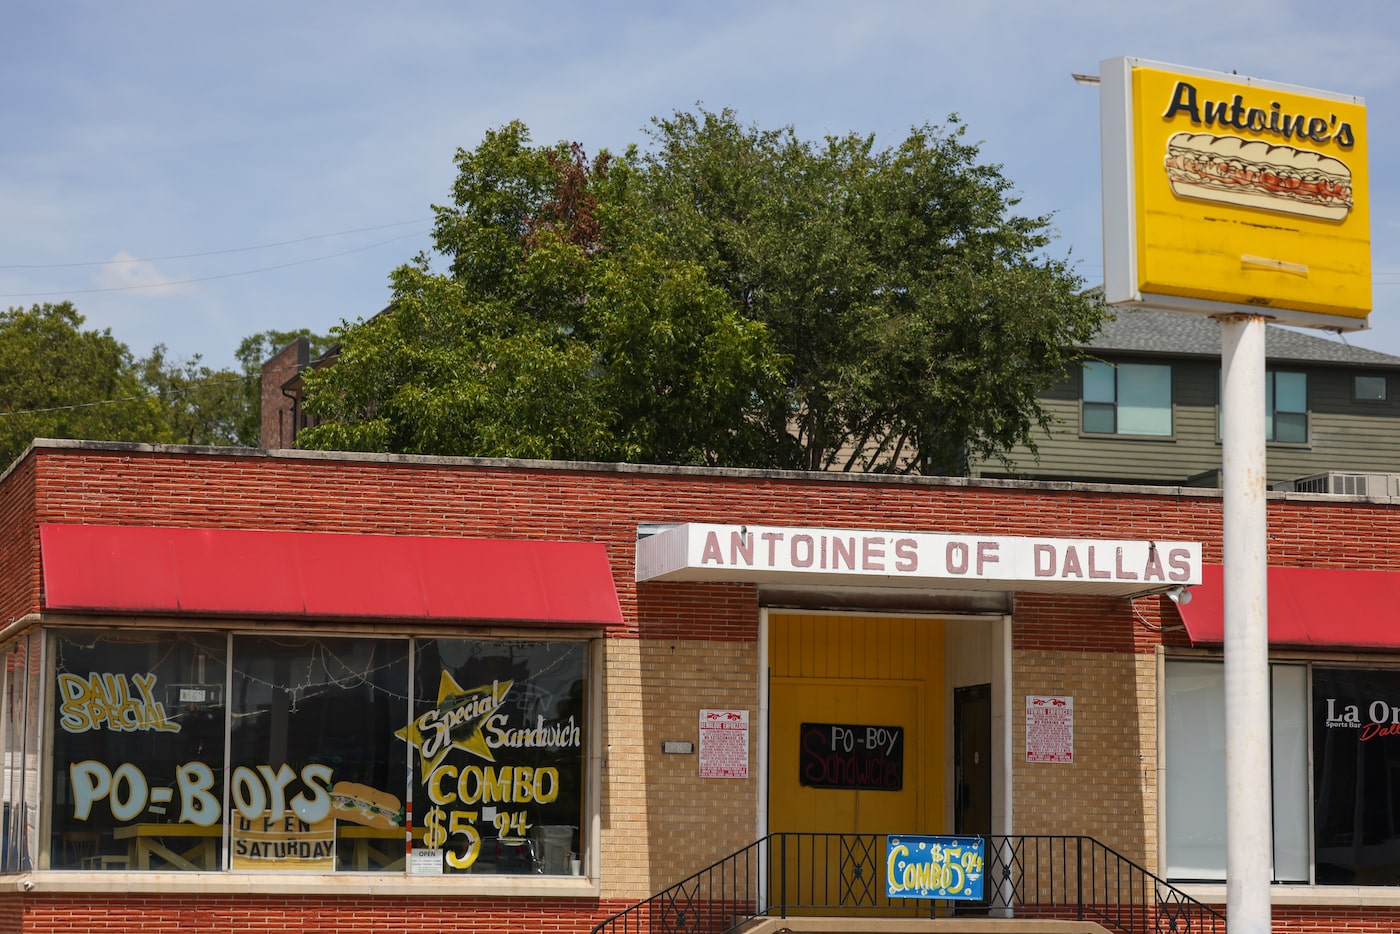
(661, 821)
(1109, 792)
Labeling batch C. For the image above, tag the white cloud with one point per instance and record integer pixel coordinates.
(125, 272)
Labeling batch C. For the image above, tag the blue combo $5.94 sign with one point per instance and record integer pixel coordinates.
(934, 867)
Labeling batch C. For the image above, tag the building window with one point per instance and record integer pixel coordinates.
(498, 753)
(249, 753)
(1127, 399)
(19, 830)
(1195, 773)
(1370, 389)
(1338, 818)
(1286, 407)
(1356, 776)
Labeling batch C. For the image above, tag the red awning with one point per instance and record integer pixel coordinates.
(1307, 606)
(256, 573)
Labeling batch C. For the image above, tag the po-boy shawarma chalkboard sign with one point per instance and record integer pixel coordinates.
(851, 755)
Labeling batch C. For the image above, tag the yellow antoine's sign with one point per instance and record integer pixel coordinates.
(1246, 193)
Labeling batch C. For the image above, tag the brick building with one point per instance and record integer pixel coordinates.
(257, 691)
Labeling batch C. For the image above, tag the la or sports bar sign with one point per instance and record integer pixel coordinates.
(1223, 191)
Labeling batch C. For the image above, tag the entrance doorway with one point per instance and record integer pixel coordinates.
(855, 747)
(972, 760)
(855, 740)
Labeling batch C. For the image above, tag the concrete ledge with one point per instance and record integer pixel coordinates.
(921, 926)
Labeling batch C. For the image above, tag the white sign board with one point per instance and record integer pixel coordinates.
(425, 861)
(1049, 728)
(777, 554)
(724, 743)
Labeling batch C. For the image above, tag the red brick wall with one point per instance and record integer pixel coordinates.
(19, 544)
(304, 914)
(389, 495)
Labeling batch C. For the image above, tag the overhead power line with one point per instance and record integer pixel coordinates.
(241, 249)
(226, 275)
(206, 381)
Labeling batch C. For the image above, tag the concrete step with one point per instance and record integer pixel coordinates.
(815, 925)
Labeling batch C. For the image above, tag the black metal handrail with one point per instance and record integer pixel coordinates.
(791, 874)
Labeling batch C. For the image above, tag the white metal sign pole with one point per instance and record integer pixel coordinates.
(1248, 791)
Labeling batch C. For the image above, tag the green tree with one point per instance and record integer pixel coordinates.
(731, 296)
(198, 404)
(58, 380)
(919, 313)
(551, 336)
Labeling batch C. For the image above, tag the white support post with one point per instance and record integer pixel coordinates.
(1248, 785)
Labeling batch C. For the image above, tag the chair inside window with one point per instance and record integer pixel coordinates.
(82, 849)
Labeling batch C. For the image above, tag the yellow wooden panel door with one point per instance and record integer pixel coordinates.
(855, 732)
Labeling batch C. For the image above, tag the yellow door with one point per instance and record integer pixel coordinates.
(855, 746)
(851, 762)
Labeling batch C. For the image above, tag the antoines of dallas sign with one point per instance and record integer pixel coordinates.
(777, 554)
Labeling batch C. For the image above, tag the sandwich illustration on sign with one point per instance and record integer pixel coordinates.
(362, 804)
(1255, 174)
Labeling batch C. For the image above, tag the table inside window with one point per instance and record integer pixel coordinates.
(365, 855)
(183, 846)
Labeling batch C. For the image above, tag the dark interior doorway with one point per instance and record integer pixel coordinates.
(972, 759)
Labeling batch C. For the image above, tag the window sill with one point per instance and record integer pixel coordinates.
(1115, 436)
(1356, 896)
(271, 883)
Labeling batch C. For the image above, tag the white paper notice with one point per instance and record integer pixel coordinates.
(425, 862)
(724, 744)
(1049, 728)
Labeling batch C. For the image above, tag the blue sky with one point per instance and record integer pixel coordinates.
(192, 173)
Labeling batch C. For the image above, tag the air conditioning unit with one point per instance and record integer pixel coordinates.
(1343, 484)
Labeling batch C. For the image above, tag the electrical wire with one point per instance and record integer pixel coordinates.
(241, 249)
(227, 275)
(157, 393)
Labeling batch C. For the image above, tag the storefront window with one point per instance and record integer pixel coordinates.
(138, 749)
(21, 744)
(1344, 826)
(1195, 774)
(1356, 776)
(328, 740)
(316, 782)
(498, 754)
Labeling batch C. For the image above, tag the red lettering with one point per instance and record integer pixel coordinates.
(741, 546)
(906, 552)
(986, 554)
(772, 538)
(843, 549)
(1179, 559)
(873, 554)
(712, 551)
(957, 558)
(1373, 730)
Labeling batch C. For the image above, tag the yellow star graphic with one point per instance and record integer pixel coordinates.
(455, 723)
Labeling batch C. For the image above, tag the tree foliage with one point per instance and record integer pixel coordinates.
(917, 311)
(729, 295)
(196, 403)
(552, 336)
(60, 381)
